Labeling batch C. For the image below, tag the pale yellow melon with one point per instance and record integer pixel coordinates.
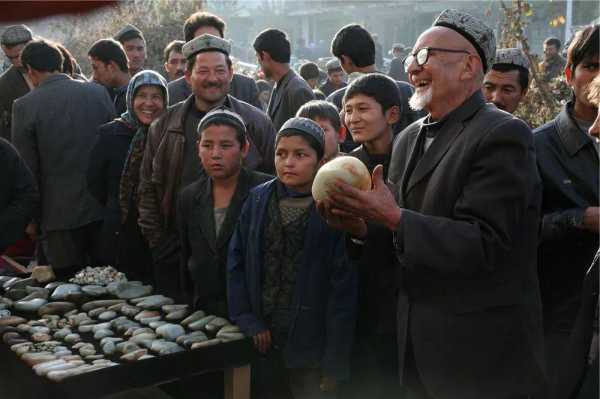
(346, 168)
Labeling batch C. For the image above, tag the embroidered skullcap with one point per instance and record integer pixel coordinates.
(474, 30)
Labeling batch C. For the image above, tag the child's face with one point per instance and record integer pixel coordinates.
(365, 118)
(296, 163)
(220, 151)
(331, 137)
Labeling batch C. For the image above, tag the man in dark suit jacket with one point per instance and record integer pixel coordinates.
(291, 91)
(465, 222)
(53, 129)
(242, 87)
(13, 82)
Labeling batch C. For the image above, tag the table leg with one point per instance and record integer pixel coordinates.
(237, 383)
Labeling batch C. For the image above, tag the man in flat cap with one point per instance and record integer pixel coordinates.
(335, 77)
(397, 71)
(291, 91)
(463, 206)
(171, 156)
(14, 82)
(507, 82)
(242, 87)
(132, 40)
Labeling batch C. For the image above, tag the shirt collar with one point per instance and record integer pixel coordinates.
(572, 137)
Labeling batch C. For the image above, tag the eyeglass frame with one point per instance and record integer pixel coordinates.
(427, 49)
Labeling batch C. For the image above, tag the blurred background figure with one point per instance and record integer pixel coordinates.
(14, 82)
(174, 60)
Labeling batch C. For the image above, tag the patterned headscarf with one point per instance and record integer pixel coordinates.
(138, 80)
(130, 177)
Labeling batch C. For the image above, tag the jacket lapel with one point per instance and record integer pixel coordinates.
(411, 154)
(277, 92)
(204, 214)
(434, 154)
(233, 211)
(453, 126)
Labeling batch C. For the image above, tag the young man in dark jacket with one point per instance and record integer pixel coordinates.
(567, 160)
(291, 285)
(371, 108)
(209, 208)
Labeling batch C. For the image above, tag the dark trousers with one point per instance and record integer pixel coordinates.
(412, 384)
(133, 255)
(272, 380)
(373, 368)
(71, 250)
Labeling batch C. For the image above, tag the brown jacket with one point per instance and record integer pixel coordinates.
(162, 166)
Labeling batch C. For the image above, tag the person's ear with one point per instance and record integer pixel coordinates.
(165, 66)
(345, 62)
(245, 149)
(568, 74)
(187, 74)
(471, 68)
(392, 115)
(341, 134)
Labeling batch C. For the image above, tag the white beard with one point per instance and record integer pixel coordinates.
(420, 99)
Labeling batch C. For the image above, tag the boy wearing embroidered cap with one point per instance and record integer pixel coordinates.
(506, 83)
(209, 208)
(171, 156)
(291, 285)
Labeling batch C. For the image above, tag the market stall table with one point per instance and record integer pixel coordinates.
(19, 381)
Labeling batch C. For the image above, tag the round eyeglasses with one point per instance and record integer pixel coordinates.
(422, 55)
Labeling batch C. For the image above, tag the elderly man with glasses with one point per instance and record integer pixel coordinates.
(463, 203)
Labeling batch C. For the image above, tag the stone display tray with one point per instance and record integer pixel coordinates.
(19, 381)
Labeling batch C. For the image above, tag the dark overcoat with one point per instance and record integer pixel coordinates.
(469, 302)
(104, 176)
(570, 172)
(54, 127)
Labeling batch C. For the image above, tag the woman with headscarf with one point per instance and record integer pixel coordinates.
(114, 169)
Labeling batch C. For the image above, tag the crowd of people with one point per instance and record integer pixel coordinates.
(469, 270)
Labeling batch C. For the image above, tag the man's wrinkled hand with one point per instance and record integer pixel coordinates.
(341, 220)
(377, 205)
(591, 219)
